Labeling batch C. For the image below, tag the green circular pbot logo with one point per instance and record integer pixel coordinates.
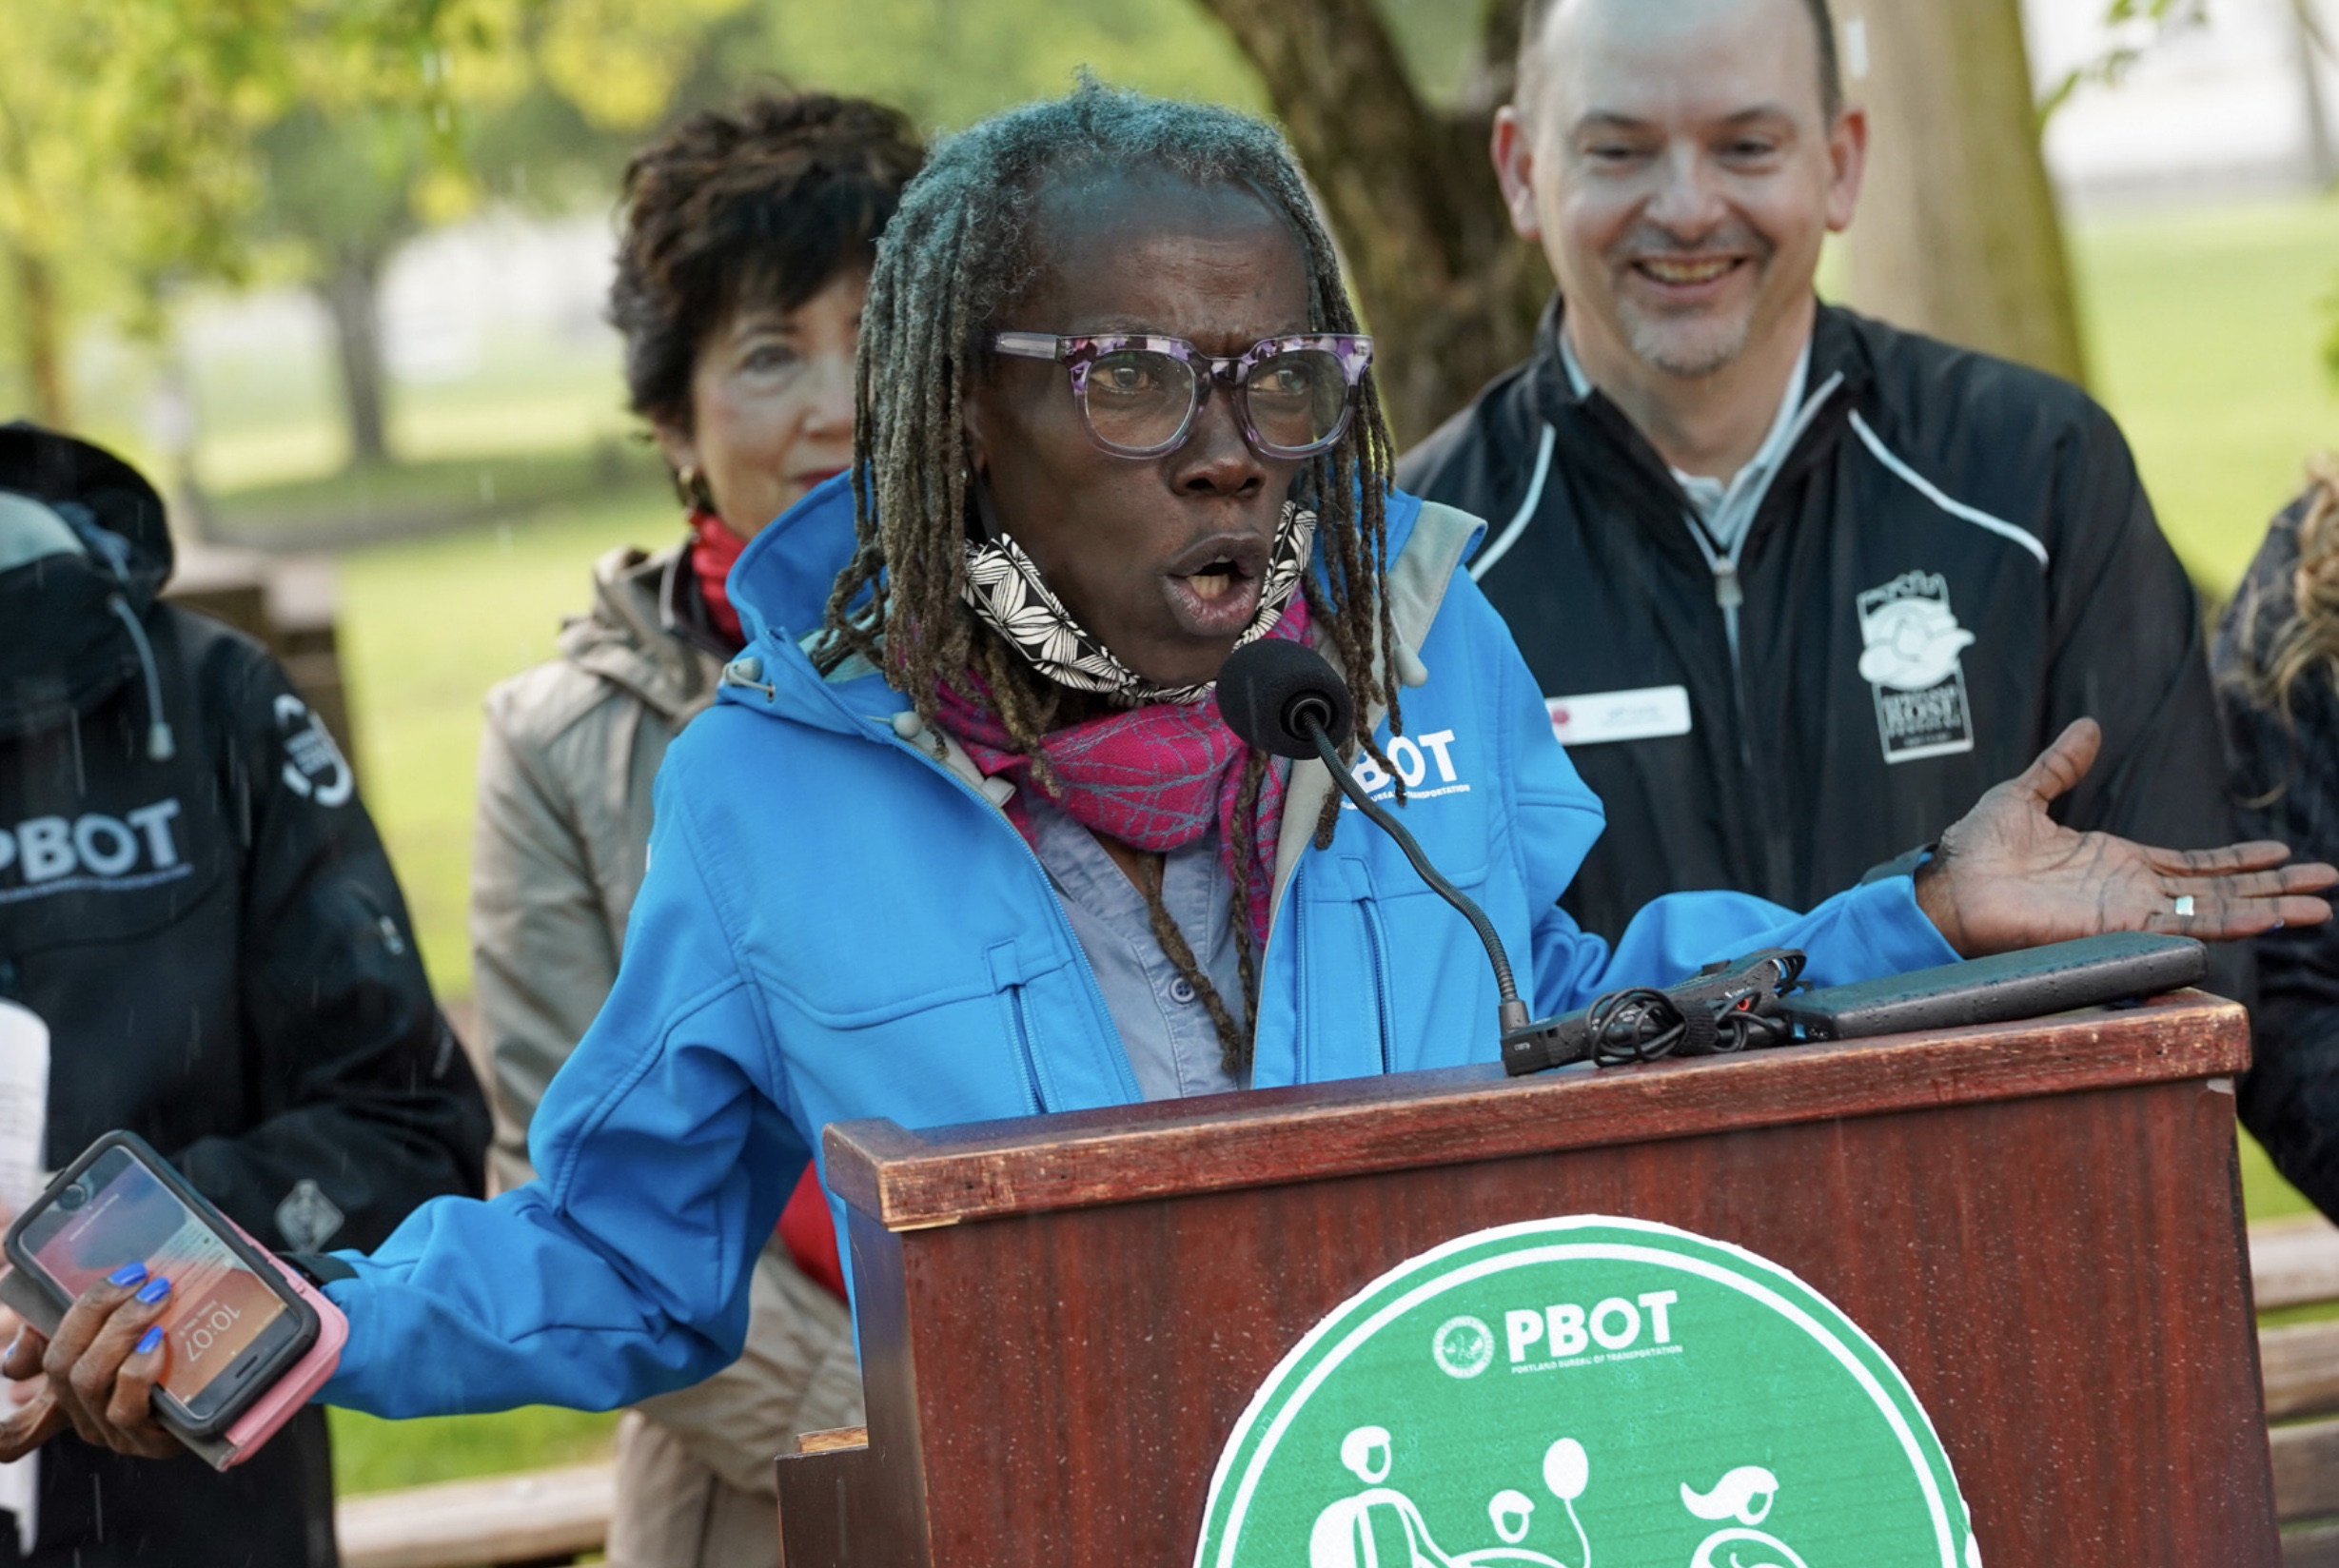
(1580, 1391)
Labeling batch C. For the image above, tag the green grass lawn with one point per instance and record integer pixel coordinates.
(382, 1456)
(427, 626)
(2203, 330)
(405, 499)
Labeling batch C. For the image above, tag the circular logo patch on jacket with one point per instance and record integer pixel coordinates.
(1585, 1390)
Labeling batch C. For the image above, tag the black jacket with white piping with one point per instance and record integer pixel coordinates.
(1955, 559)
(194, 901)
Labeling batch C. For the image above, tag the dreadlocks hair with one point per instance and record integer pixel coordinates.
(964, 241)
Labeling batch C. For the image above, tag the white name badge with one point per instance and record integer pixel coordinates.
(1643, 713)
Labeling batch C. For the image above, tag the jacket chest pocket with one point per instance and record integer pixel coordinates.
(1393, 978)
(1348, 1026)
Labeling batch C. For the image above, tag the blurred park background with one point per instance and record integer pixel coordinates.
(333, 275)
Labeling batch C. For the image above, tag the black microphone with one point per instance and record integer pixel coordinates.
(1282, 697)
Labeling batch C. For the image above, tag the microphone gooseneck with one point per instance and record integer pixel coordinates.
(1504, 986)
(1283, 697)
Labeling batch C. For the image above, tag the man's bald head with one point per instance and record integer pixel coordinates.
(1538, 13)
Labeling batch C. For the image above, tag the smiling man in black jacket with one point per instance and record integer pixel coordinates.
(194, 901)
(1798, 587)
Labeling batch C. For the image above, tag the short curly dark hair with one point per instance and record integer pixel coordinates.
(759, 205)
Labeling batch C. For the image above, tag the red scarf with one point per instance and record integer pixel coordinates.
(713, 550)
(1156, 777)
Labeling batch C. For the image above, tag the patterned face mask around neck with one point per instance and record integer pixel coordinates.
(1004, 588)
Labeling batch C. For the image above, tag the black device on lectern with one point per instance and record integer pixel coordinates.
(2118, 967)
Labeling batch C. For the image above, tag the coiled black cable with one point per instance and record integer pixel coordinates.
(1642, 1024)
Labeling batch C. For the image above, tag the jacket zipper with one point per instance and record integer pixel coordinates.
(1298, 981)
(1376, 944)
(1026, 1045)
(1730, 597)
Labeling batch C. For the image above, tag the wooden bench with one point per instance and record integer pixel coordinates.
(543, 1516)
(555, 1515)
(2295, 1264)
(536, 1519)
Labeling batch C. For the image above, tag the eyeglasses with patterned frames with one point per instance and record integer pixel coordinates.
(1293, 396)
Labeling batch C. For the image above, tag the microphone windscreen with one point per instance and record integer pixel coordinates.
(1264, 686)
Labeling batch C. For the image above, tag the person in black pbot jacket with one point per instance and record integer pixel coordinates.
(1796, 586)
(194, 900)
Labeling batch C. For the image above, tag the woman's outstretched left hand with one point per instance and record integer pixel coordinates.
(2007, 875)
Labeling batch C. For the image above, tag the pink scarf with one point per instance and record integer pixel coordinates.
(713, 550)
(1156, 777)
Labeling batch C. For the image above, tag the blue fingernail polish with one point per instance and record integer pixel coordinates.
(147, 1341)
(128, 1274)
(156, 1289)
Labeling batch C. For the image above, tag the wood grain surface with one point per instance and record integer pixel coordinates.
(1062, 1320)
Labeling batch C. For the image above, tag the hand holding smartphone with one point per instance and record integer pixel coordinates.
(242, 1341)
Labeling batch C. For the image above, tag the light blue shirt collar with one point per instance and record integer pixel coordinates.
(1173, 1048)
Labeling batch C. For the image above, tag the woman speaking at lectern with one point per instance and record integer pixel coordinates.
(978, 846)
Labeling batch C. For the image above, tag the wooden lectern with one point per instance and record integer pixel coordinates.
(1062, 1319)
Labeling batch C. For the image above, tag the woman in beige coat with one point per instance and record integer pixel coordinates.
(748, 238)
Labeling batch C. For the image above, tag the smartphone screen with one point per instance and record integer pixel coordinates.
(224, 1323)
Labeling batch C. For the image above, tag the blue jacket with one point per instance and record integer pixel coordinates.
(837, 922)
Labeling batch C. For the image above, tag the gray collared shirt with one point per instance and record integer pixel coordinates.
(1166, 1029)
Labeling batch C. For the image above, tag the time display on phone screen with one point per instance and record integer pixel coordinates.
(119, 1213)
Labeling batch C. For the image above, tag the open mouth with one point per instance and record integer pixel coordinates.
(1214, 589)
(1215, 581)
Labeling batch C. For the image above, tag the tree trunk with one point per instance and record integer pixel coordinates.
(2322, 160)
(44, 331)
(348, 292)
(1958, 234)
(1449, 292)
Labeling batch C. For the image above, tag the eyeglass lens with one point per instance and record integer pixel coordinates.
(1140, 400)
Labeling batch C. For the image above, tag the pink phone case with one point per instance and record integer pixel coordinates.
(273, 1408)
(293, 1390)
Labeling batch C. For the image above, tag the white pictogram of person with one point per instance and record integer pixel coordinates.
(1744, 1495)
(1566, 1471)
(1381, 1527)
